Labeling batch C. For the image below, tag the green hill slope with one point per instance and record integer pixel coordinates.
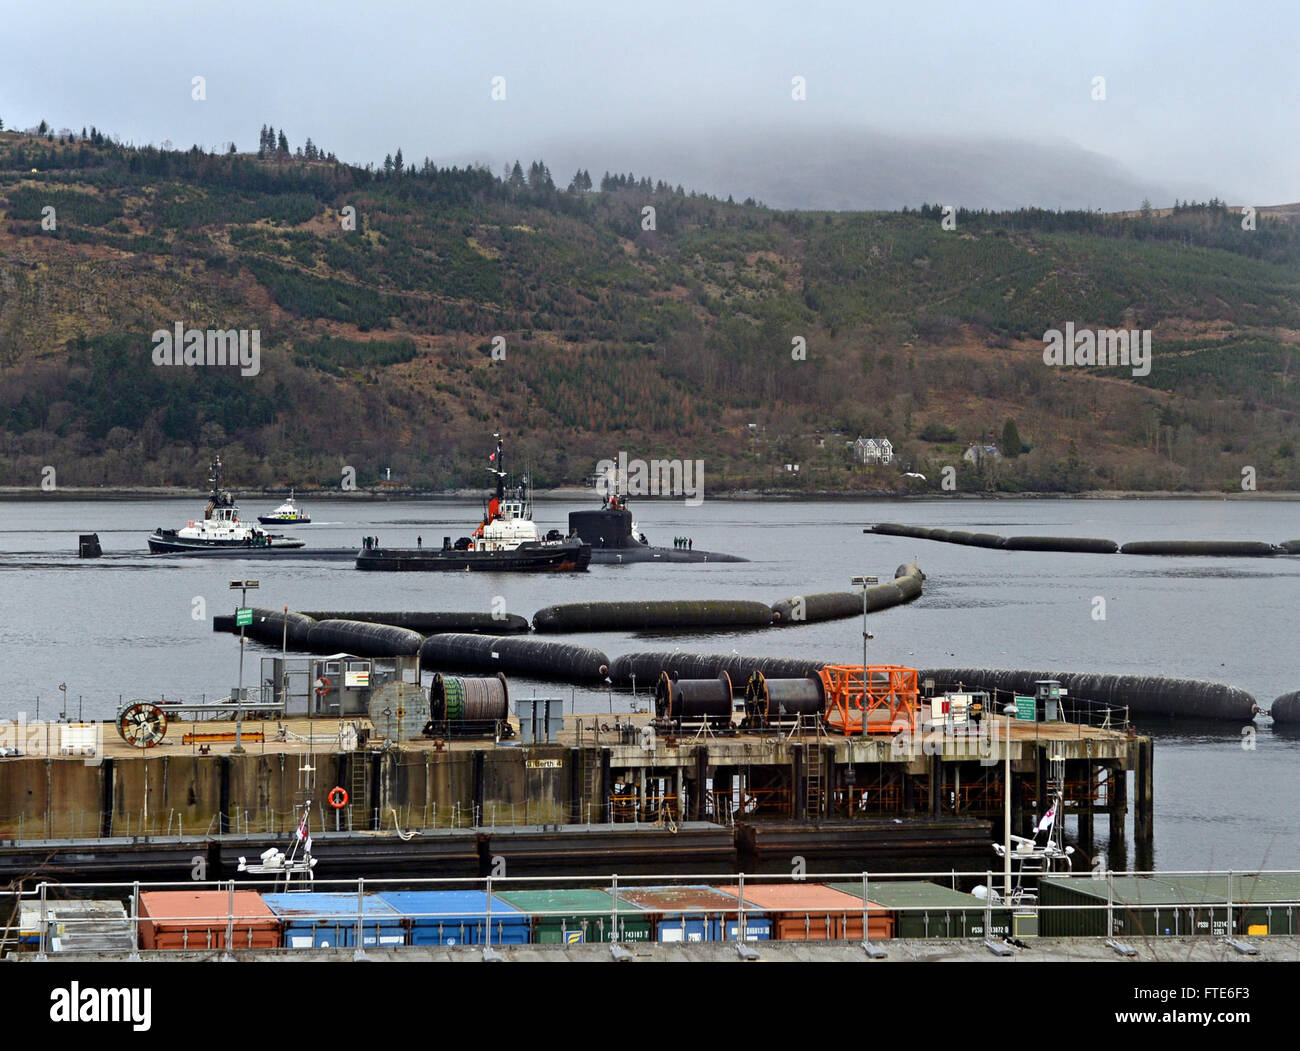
(377, 341)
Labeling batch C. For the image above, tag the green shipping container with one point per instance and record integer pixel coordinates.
(928, 910)
(1075, 906)
(1263, 904)
(570, 917)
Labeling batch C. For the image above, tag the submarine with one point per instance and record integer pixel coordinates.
(614, 538)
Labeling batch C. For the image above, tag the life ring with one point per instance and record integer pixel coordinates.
(323, 686)
(338, 797)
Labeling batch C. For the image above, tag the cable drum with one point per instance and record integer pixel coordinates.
(456, 699)
(399, 710)
(694, 701)
(773, 701)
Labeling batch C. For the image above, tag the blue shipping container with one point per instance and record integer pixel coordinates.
(324, 920)
(457, 917)
(757, 929)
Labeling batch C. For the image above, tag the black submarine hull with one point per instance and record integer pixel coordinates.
(622, 555)
(569, 556)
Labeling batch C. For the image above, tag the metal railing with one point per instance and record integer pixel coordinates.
(1207, 913)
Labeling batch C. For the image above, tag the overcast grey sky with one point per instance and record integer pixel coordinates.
(1200, 97)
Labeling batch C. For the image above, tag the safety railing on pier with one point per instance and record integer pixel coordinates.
(1212, 906)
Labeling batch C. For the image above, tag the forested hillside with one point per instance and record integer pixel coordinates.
(405, 312)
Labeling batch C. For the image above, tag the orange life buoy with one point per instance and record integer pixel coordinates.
(323, 686)
(338, 797)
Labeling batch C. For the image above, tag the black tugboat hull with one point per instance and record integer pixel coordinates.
(565, 557)
(163, 544)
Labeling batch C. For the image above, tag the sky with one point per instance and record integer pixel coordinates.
(968, 102)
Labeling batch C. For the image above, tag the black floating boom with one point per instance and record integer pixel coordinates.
(1286, 709)
(271, 626)
(433, 623)
(1140, 694)
(648, 666)
(365, 640)
(1240, 548)
(684, 614)
(536, 657)
(835, 605)
(1087, 544)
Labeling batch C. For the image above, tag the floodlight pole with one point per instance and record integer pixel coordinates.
(243, 586)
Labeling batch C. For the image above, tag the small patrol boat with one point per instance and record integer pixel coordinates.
(288, 513)
(220, 531)
(506, 540)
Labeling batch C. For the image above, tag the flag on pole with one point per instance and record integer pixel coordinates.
(303, 835)
(493, 456)
(1047, 820)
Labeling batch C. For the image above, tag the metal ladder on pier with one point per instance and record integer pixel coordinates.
(358, 794)
(814, 760)
(590, 805)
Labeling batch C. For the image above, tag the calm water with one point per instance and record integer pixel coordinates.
(125, 625)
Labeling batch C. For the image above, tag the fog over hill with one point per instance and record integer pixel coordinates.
(853, 168)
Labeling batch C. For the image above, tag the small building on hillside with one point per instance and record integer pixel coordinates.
(873, 451)
(979, 454)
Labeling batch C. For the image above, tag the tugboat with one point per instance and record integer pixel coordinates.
(220, 531)
(286, 514)
(506, 539)
(615, 538)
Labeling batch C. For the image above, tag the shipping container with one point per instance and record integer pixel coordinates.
(921, 909)
(1141, 906)
(572, 916)
(1263, 904)
(696, 913)
(183, 919)
(324, 920)
(457, 917)
(79, 925)
(814, 912)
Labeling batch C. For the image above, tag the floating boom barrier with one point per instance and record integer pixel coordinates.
(1140, 694)
(649, 665)
(833, 605)
(1286, 709)
(1089, 545)
(681, 614)
(435, 623)
(537, 657)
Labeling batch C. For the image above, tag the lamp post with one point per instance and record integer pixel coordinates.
(243, 586)
(864, 581)
(1008, 714)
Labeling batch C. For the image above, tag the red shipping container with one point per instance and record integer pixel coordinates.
(183, 919)
(813, 912)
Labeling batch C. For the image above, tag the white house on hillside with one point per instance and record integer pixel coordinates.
(873, 450)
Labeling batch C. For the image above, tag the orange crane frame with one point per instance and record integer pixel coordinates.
(891, 687)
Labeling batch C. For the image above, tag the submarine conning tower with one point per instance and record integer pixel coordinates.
(605, 527)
